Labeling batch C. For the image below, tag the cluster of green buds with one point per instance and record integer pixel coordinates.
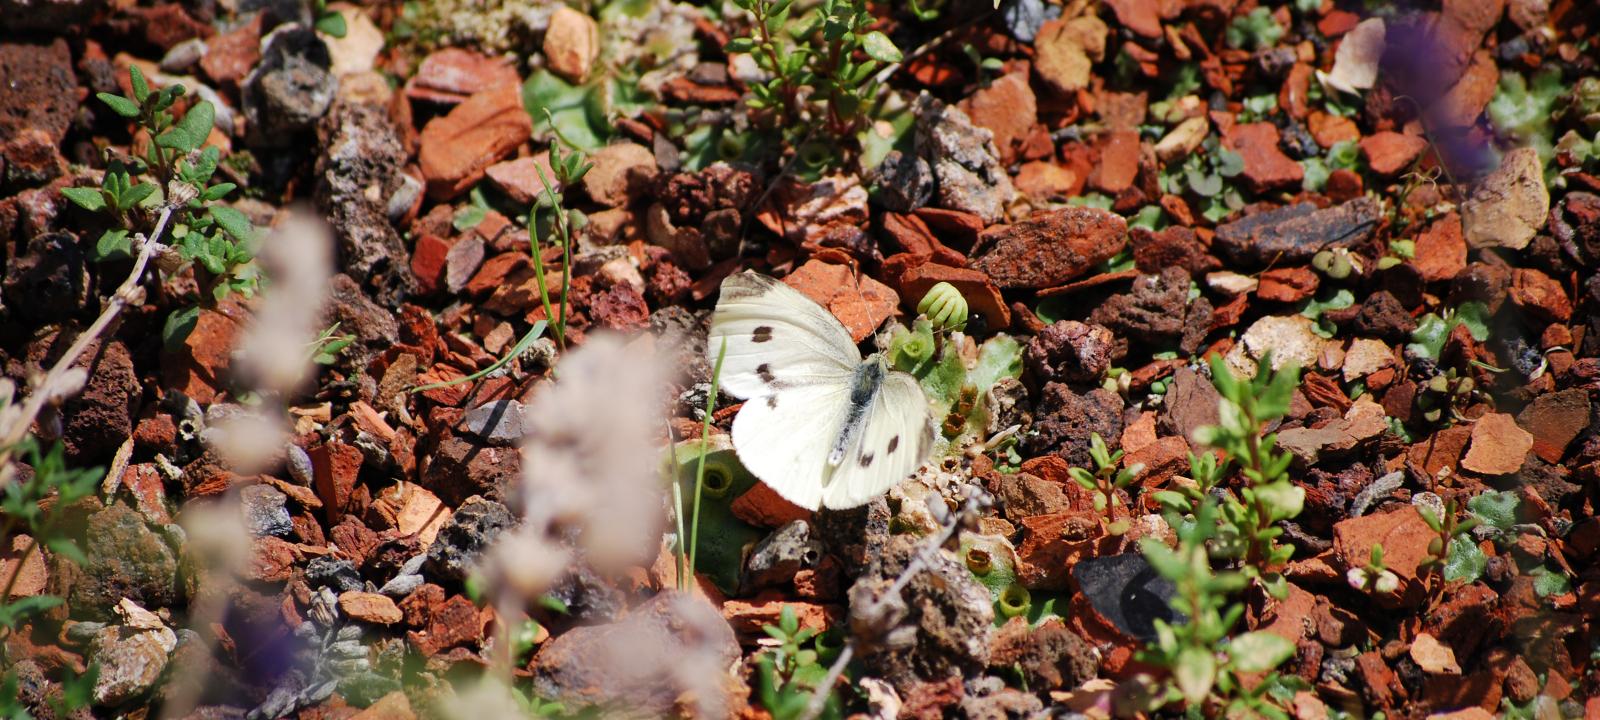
(1337, 263)
(1444, 393)
(945, 307)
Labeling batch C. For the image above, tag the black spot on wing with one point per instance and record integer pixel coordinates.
(772, 402)
(762, 334)
(764, 371)
(866, 460)
(894, 442)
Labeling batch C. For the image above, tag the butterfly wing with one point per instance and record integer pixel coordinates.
(893, 444)
(783, 438)
(778, 340)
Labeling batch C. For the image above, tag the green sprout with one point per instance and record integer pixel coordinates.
(1106, 480)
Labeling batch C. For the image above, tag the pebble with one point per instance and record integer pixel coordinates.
(1508, 206)
(264, 512)
(1049, 248)
(498, 422)
(370, 607)
(456, 150)
(1293, 234)
(571, 43)
(965, 162)
(1499, 446)
(470, 531)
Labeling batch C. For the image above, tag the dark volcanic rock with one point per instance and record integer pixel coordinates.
(1049, 248)
(41, 95)
(1127, 591)
(96, 421)
(775, 560)
(1156, 313)
(947, 619)
(1064, 420)
(49, 282)
(1291, 235)
(290, 89)
(1050, 656)
(469, 532)
(1069, 351)
(358, 172)
(904, 182)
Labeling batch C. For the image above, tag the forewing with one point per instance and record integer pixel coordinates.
(777, 339)
(783, 438)
(894, 443)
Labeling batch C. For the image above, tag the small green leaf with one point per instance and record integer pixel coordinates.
(1495, 508)
(14, 612)
(141, 89)
(468, 218)
(1474, 315)
(67, 549)
(232, 221)
(113, 245)
(331, 24)
(178, 326)
(87, 198)
(135, 195)
(739, 45)
(120, 105)
(1195, 672)
(1547, 582)
(1259, 651)
(879, 47)
(190, 132)
(1464, 561)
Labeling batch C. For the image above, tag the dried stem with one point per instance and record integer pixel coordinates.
(120, 299)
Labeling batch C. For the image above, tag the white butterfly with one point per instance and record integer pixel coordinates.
(820, 425)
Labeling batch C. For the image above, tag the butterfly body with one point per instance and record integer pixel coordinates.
(821, 425)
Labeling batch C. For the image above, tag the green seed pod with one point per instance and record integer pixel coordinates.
(1014, 601)
(945, 307)
(979, 562)
(1341, 267)
(815, 154)
(1465, 386)
(1322, 260)
(722, 467)
(1439, 383)
(730, 146)
(1436, 547)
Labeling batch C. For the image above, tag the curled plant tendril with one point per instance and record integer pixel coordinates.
(945, 307)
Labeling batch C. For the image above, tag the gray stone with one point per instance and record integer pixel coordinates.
(498, 422)
(902, 182)
(358, 177)
(964, 160)
(470, 531)
(290, 89)
(775, 560)
(939, 626)
(264, 511)
(336, 573)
